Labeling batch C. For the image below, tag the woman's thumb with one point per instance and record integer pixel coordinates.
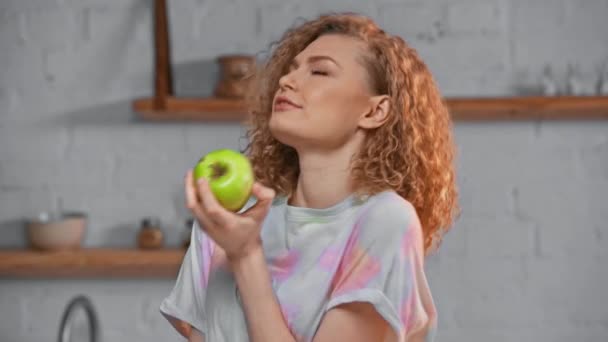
(264, 197)
(262, 193)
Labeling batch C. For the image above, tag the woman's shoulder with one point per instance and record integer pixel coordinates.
(387, 214)
(391, 205)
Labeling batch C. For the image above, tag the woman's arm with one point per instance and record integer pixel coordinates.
(183, 328)
(264, 318)
(349, 322)
(196, 336)
(357, 322)
(186, 330)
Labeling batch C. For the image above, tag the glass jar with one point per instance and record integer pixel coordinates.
(150, 234)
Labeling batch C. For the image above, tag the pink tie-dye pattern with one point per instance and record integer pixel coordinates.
(289, 312)
(409, 241)
(283, 266)
(206, 250)
(218, 258)
(416, 313)
(357, 267)
(407, 311)
(329, 259)
(408, 246)
(414, 308)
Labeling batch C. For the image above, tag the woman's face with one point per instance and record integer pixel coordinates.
(320, 101)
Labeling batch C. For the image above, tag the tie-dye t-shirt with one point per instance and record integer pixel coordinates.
(360, 250)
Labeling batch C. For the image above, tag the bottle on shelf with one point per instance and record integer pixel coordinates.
(150, 234)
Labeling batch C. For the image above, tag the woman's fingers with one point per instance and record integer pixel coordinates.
(211, 207)
(264, 197)
(192, 201)
(191, 197)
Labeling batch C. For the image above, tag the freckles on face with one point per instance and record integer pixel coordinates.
(330, 87)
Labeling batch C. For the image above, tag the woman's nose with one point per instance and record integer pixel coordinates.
(287, 81)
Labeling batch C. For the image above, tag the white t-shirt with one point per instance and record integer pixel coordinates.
(362, 249)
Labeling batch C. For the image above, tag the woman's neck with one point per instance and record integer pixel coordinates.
(325, 178)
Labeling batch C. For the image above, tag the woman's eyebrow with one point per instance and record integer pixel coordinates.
(315, 58)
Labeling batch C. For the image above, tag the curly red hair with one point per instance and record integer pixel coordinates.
(412, 153)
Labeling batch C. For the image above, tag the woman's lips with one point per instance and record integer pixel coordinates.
(283, 103)
(284, 106)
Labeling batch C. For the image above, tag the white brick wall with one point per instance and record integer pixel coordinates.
(526, 261)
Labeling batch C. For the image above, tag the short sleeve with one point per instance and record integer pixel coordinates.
(383, 264)
(186, 301)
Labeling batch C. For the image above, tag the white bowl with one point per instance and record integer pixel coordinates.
(62, 232)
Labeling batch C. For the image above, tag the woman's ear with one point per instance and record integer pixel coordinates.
(377, 114)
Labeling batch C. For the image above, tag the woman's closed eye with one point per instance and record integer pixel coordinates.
(319, 72)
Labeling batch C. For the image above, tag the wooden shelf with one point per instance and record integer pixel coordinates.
(462, 109)
(91, 263)
(529, 108)
(188, 109)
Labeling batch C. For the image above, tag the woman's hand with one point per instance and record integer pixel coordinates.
(237, 234)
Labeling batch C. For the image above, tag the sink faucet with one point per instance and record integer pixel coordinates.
(65, 328)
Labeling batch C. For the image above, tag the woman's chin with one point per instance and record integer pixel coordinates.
(287, 134)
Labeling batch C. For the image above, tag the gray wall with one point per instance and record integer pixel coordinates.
(525, 262)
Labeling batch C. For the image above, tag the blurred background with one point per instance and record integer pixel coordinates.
(526, 261)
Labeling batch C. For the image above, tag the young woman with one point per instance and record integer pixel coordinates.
(352, 151)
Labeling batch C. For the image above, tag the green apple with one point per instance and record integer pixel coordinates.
(230, 177)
